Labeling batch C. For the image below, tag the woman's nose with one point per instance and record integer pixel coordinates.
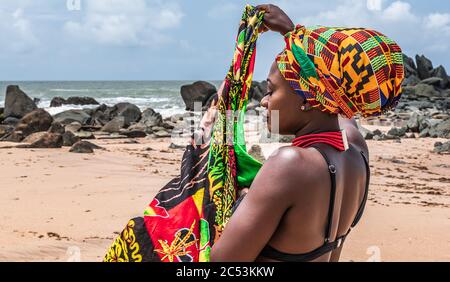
(264, 102)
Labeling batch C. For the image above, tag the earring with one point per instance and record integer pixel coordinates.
(303, 108)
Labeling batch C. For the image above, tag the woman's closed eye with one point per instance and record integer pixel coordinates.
(269, 93)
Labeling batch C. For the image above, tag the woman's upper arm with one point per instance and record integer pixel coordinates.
(254, 222)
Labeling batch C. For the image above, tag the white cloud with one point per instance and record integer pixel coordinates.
(399, 11)
(126, 22)
(437, 20)
(16, 30)
(374, 5)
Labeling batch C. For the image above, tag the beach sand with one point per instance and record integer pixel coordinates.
(61, 206)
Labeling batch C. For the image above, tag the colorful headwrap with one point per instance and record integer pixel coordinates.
(343, 70)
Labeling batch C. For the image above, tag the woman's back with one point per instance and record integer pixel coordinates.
(302, 228)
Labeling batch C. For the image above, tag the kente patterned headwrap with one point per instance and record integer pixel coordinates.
(188, 215)
(343, 70)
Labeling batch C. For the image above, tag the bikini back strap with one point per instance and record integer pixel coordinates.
(332, 171)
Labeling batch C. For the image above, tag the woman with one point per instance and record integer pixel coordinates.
(307, 197)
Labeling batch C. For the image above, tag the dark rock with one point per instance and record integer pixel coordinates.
(114, 125)
(411, 81)
(175, 146)
(397, 132)
(256, 152)
(424, 67)
(59, 101)
(69, 139)
(36, 101)
(442, 148)
(161, 134)
(377, 132)
(101, 115)
(440, 72)
(413, 123)
(70, 116)
(5, 130)
(37, 120)
(45, 140)
(434, 81)
(367, 134)
(168, 125)
(73, 126)
(420, 90)
(130, 112)
(257, 90)
(11, 121)
(199, 91)
(17, 103)
(15, 136)
(150, 118)
(56, 127)
(134, 134)
(85, 135)
(441, 129)
(83, 147)
(424, 133)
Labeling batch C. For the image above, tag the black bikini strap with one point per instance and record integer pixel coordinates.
(366, 192)
(332, 170)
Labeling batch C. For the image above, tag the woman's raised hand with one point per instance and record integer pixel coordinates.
(275, 19)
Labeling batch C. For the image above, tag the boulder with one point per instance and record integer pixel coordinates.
(440, 72)
(424, 67)
(73, 126)
(161, 134)
(420, 90)
(59, 101)
(37, 120)
(397, 132)
(17, 103)
(257, 90)
(11, 121)
(150, 118)
(83, 147)
(134, 133)
(5, 130)
(69, 139)
(130, 112)
(101, 115)
(414, 122)
(56, 127)
(442, 148)
(44, 140)
(199, 91)
(441, 129)
(70, 116)
(366, 133)
(85, 135)
(434, 81)
(114, 125)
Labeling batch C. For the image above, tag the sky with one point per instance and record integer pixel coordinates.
(186, 39)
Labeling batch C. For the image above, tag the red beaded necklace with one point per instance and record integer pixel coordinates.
(337, 139)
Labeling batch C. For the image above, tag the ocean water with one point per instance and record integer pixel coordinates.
(163, 96)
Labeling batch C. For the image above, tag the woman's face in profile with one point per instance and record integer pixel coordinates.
(282, 104)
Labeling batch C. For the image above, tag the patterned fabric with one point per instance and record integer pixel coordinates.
(189, 214)
(343, 70)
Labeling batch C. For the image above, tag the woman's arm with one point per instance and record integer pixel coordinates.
(258, 216)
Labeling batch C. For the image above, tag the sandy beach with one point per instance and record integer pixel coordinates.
(60, 206)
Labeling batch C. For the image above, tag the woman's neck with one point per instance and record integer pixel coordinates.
(319, 125)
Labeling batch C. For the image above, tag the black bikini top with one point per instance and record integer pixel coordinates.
(329, 244)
